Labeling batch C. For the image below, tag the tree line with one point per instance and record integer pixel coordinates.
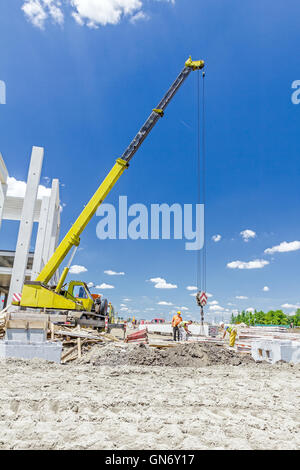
(273, 317)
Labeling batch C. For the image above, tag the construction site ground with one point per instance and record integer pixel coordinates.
(119, 396)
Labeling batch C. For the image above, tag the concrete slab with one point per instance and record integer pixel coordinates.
(49, 351)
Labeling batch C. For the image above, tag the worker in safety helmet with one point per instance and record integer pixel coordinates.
(175, 322)
(184, 330)
(231, 330)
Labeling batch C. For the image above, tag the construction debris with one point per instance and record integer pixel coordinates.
(77, 342)
(179, 355)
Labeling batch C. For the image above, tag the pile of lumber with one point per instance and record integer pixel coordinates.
(77, 341)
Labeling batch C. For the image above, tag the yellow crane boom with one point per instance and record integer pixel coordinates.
(37, 293)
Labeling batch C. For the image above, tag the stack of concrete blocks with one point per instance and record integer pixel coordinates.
(26, 338)
(274, 350)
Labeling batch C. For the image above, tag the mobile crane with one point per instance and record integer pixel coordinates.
(75, 296)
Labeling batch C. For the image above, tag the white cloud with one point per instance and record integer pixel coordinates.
(247, 234)
(266, 289)
(235, 311)
(124, 309)
(92, 13)
(216, 238)
(140, 15)
(250, 309)
(216, 308)
(90, 284)
(163, 302)
(284, 247)
(37, 12)
(61, 207)
(113, 273)
(213, 302)
(103, 12)
(105, 286)
(256, 264)
(161, 283)
(291, 306)
(77, 269)
(241, 297)
(184, 308)
(17, 188)
(192, 288)
(126, 300)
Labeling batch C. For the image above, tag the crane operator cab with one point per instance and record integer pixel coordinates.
(79, 291)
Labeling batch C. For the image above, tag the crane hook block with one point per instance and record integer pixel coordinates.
(194, 64)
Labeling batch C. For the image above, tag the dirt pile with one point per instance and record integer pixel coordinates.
(183, 355)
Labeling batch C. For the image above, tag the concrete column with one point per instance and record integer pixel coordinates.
(40, 239)
(52, 222)
(3, 186)
(55, 241)
(25, 230)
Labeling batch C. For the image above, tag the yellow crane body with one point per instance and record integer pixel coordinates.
(38, 293)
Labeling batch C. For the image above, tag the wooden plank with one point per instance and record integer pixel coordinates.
(76, 334)
(79, 348)
(71, 350)
(109, 336)
(52, 331)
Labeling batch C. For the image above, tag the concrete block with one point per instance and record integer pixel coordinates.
(26, 336)
(15, 349)
(276, 350)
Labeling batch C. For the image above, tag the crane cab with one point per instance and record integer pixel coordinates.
(80, 292)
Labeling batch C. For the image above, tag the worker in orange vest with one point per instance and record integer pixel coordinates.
(175, 324)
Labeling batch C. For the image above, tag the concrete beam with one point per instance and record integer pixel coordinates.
(25, 230)
(13, 207)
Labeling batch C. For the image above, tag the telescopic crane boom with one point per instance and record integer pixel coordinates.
(37, 293)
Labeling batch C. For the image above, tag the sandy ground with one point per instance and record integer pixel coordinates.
(86, 406)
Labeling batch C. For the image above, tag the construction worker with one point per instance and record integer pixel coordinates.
(183, 330)
(175, 322)
(232, 331)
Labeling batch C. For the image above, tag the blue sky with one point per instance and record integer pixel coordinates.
(81, 80)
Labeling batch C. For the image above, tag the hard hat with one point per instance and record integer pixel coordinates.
(179, 312)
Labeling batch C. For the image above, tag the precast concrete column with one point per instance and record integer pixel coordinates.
(25, 230)
(53, 222)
